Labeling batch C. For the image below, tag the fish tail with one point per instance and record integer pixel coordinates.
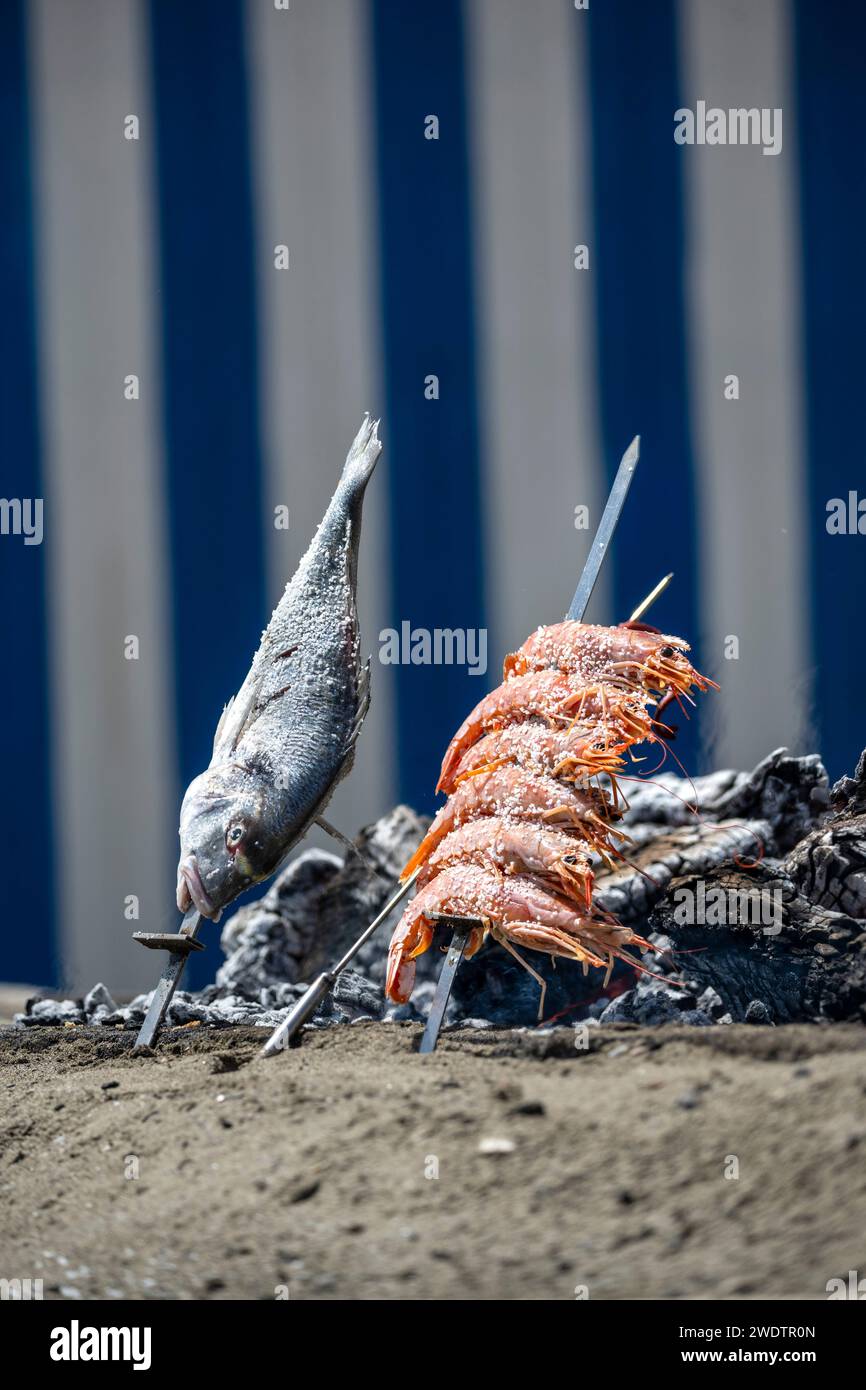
(362, 456)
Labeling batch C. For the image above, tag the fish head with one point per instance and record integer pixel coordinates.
(229, 838)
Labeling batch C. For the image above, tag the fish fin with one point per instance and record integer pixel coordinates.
(348, 844)
(363, 704)
(361, 458)
(235, 717)
(221, 725)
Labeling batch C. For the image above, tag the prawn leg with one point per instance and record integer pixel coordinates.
(539, 979)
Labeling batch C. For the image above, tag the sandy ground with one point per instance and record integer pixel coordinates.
(505, 1166)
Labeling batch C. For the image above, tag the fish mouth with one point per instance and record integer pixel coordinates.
(191, 890)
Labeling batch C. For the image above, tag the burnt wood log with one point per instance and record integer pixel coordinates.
(814, 967)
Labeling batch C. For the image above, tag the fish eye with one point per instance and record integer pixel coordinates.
(667, 651)
(569, 859)
(234, 835)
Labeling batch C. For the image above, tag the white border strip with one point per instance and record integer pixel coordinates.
(744, 317)
(114, 783)
(529, 110)
(320, 360)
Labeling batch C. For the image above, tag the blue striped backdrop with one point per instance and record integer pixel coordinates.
(409, 258)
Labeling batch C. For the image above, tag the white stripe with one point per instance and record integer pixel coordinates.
(744, 318)
(313, 166)
(527, 77)
(104, 527)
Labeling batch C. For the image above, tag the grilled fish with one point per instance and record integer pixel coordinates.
(288, 737)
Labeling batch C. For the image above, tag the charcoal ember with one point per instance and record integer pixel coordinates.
(808, 963)
(789, 793)
(267, 940)
(236, 1008)
(185, 1008)
(739, 815)
(318, 907)
(849, 793)
(495, 986)
(668, 800)
(281, 996)
(128, 1016)
(355, 996)
(354, 896)
(661, 961)
(829, 864)
(792, 794)
(757, 1012)
(713, 1004)
(50, 1012)
(630, 892)
(222, 1011)
(418, 1007)
(98, 1004)
(652, 1004)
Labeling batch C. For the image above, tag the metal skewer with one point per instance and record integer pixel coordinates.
(324, 983)
(463, 928)
(582, 594)
(180, 946)
(606, 527)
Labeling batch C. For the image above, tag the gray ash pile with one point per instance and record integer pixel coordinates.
(755, 905)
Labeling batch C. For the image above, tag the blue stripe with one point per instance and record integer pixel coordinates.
(210, 365)
(27, 905)
(831, 97)
(637, 266)
(429, 328)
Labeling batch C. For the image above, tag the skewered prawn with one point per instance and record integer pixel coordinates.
(585, 749)
(517, 847)
(512, 845)
(514, 908)
(519, 795)
(556, 697)
(632, 651)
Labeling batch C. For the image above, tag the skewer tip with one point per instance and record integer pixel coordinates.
(651, 598)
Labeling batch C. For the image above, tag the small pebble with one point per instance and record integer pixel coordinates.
(495, 1145)
(528, 1107)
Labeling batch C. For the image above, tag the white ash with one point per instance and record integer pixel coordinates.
(658, 1003)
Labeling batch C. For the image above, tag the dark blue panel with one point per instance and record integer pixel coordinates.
(637, 266)
(831, 96)
(26, 882)
(433, 449)
(209, 361)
